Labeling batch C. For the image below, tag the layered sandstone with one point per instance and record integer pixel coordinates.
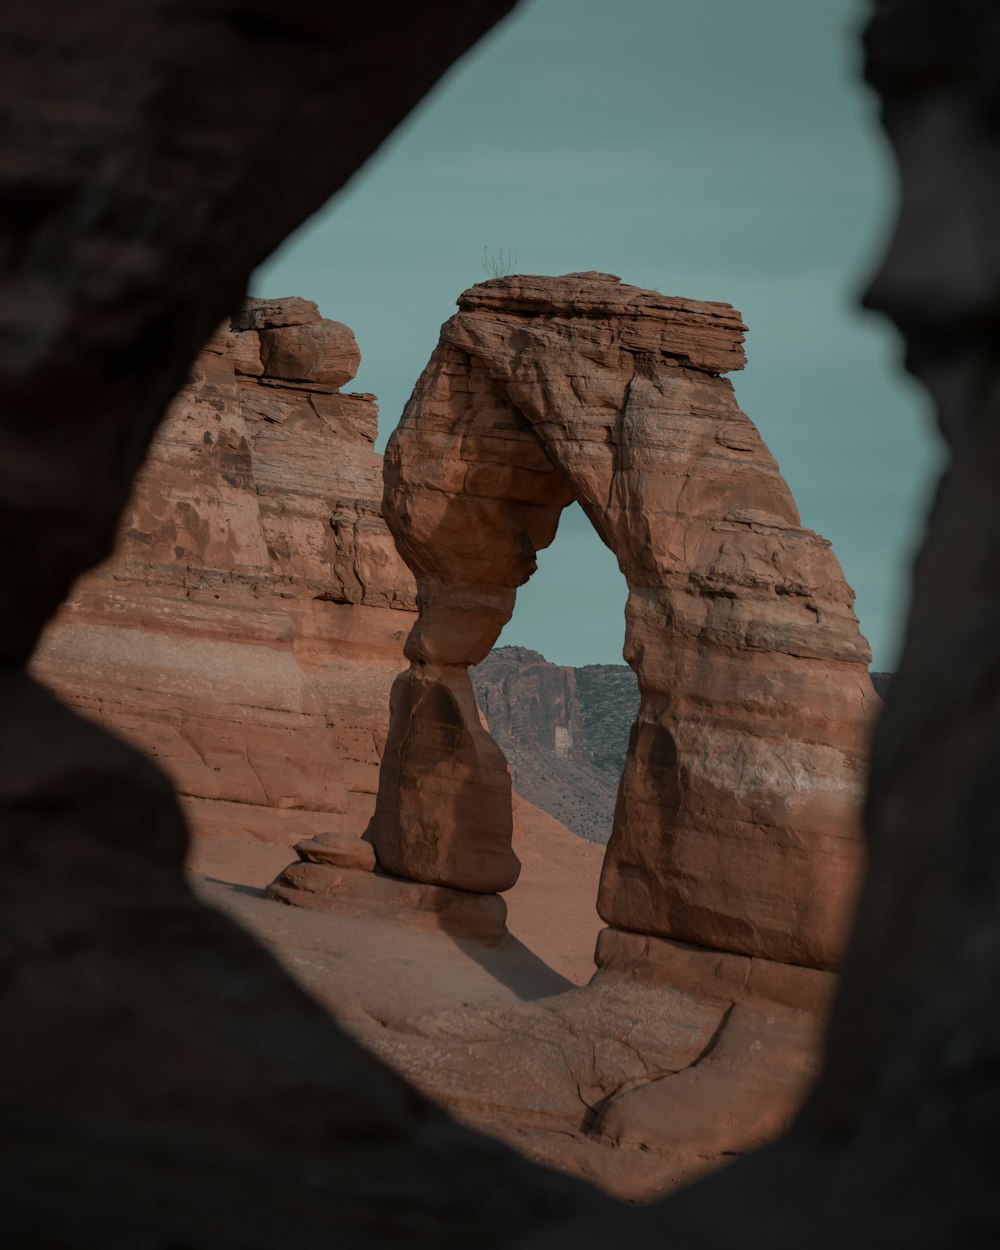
(248, 627)
(737, 819)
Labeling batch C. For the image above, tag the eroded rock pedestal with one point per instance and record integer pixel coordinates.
(736, 825)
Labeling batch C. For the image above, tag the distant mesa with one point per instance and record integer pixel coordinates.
(564, 732)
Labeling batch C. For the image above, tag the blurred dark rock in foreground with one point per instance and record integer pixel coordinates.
(162, 1081)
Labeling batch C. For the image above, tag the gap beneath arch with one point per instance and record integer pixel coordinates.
(556, 695)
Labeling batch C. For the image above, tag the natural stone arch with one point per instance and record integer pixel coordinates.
(737, 818)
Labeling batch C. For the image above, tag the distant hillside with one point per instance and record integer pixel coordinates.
(881, 682)
(609, 702)
(564, 731)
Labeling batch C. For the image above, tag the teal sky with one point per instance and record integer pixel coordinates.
(715, 149)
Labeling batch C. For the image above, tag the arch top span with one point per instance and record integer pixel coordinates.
(736, 823)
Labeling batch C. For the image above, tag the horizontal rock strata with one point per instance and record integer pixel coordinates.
(247, 629)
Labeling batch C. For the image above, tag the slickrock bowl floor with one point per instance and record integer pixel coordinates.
(503, 1036)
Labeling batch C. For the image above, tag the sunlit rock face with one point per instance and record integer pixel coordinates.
(249, 625)
(736, 824)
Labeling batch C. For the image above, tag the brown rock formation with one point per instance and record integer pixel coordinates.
(895, 1145)
(248, 627)
(442, 770)
(333, 875)
(736, 823)
(279, 525)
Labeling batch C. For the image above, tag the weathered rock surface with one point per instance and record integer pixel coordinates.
(441, 769)
(737, 819)
(895, 1145)
(529, 701)
(162, 1079)
(368, 892)
(247, 629)
(504, 502)
(741, 1094)
(267, 574)
(318, 351)
(709, 1056)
